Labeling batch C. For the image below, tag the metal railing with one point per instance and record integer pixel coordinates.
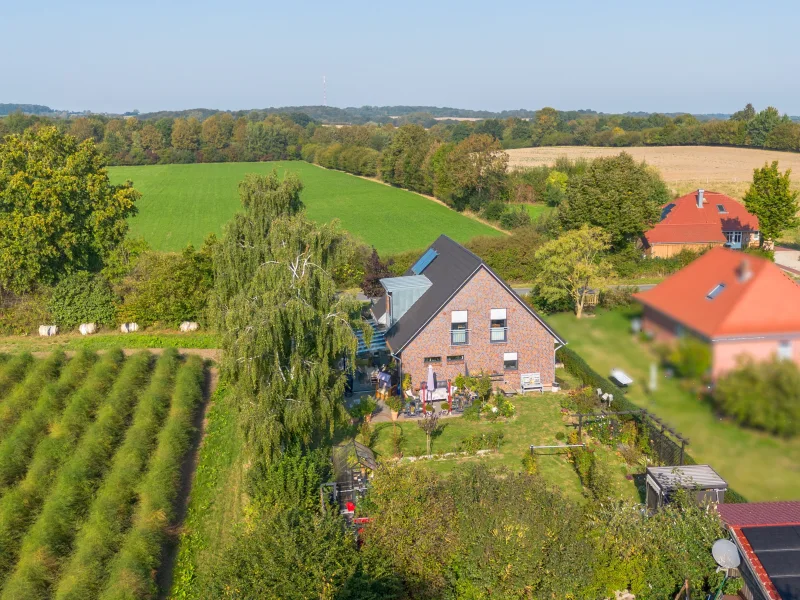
(498, 334)
(459, 337)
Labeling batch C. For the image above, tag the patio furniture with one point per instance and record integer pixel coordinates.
(530, 382)
(621, 377)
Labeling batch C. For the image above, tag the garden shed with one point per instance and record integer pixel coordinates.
(700, 480)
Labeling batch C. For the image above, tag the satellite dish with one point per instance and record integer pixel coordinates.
(726, 554)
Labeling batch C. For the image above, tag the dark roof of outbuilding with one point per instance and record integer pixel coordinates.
(453, 267)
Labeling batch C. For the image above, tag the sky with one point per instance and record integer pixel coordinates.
(679, 56)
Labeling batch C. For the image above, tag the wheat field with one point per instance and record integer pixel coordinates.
(684, 168)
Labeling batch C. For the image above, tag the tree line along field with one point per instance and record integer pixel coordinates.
(182, 204)
(91, 450)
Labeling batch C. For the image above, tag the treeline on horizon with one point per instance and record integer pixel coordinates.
(210, 136)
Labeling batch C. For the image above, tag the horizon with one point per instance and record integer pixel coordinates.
(247, 55)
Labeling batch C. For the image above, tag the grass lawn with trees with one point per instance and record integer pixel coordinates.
(537, 210)
(759, 466)
(182, 204)
(537, 422)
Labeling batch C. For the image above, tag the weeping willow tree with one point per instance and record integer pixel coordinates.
(285, 329)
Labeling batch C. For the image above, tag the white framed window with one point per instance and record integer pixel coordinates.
(785, 350)
(498, 327)
(432, 360)
(510, 361)
(459, 332)
(755, 236)
(734, 238)
(455, 358)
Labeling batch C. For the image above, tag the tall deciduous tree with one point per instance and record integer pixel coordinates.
(58, 211)
(476, 169)
(374, 270)
(285, 327)
(616, 193)
(570, 265)
(771, 199)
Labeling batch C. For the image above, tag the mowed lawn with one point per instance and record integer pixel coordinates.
(182, 204)
(758, 465)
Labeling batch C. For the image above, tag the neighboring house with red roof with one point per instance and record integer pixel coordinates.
(700, 220)
(740, 304)
(767, 535)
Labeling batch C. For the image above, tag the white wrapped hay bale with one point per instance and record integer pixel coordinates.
(88, 328)
(189, 326)
(48, 330)
(129, 327)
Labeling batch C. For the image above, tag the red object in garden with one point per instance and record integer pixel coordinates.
(422, 390)
(351, 507)
(449, 396)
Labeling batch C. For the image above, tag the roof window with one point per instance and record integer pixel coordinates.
(424, 261)
(716, 291)
(721, 209)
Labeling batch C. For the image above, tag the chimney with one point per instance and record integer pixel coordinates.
(743, 271)
(700, 198)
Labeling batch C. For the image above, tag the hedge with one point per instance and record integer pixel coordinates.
(132, 572)
(52, 534)
(26, 391)
(21, 504)
(109, 517)
(578, 367)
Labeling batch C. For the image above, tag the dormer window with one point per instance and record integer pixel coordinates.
(716, 291)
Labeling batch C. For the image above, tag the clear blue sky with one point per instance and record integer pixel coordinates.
(699, 56)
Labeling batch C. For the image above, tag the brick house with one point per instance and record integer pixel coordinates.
(698, 221)
(739, 304)
(451, 311)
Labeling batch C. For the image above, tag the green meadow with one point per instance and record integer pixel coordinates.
(182, 204)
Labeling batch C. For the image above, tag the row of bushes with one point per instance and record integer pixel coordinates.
(21, 504)
(52, 533)
(359, 160)
(24, 395)
(13, 370)
(109, 516)
(17, 448)
(132, 572)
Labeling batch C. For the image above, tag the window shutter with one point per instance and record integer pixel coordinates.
(498, 314)
(458, 316)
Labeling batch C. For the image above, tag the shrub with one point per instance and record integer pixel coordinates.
(494, 210)
(600, 480)
(514, 218)
(510, 256)
(21, 315)
(168, 288)
(140, 551)
(530, 464)
(83, 298)
(578, 367)
(762, 395)
(560, 436)
(617, 297)
(691, 358)
(761, 253)
(483, 441)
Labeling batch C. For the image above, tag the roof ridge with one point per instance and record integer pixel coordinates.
(444, 235)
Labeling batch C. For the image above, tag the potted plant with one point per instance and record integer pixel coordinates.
(395, 404)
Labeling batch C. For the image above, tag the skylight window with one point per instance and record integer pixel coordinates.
(716, 291)
(721, 209)
(424, 261)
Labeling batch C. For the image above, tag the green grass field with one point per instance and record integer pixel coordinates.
(537, 210)
(181, 204)
(757, 465)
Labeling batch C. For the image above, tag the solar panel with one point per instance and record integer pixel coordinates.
(716, 291)
(778, 550)
(424, 261)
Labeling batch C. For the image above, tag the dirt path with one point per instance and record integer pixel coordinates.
(165, 571)
(466, 213)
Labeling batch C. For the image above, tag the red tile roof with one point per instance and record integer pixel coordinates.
(762, 304)
(760, 513)
(683, 222)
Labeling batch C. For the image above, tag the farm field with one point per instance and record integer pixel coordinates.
(91, 457)
(759, 466)
(182, 204)
(684, 168)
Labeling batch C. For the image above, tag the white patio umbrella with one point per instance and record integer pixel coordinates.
(431, 379)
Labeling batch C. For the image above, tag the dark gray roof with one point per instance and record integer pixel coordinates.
(450, 270)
